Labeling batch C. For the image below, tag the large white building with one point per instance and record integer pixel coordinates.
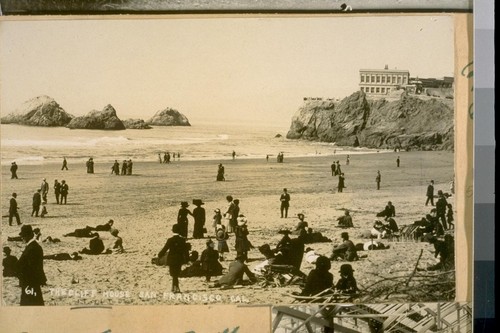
(382, 81)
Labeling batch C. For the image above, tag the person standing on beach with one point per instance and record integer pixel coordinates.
(168, 157)
(234, 155)
(347, 160)
(165, 158)
(441, 206)
(217, 219)
(397, 162)
(57, 190)
(64, 192)
(285, 203)
(341, 184)
(124, 168)
(220, 173)
(177, 252)
(267, 158)
(159, 157)
(13, 209)
(45, 190)
(30, 269)
(338, 171)
(90, 165)
(13, 171)
(199, 219)
(129, 167)
(430, 193)
(37, 201)
(221, 236)
(228, 215)
(242, 244)
(182, 219)
(378, 179)
(334, 168)
(65, 164)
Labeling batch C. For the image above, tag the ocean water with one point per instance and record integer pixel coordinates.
(203, 141)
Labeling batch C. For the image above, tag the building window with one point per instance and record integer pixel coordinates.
(371, 90)
(389, 79)
(362, 78)
(399, 79)
(378, 78)
(404, 79)
(383, 78)
(378, 90)
(382, 90)
(373, 78)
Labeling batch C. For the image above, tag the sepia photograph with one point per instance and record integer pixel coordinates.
(236, 160)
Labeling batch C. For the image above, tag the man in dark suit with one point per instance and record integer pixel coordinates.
(30, 269)
(64, 192)
(285, 203)
(13, 210)
(37, 201)
(13, 170)
(430, 193)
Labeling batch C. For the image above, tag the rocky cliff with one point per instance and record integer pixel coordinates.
(409, 122)
(169, 117)
(103, 120)
(39, 111)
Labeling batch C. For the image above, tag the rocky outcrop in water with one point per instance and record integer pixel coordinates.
(39, 111)
(409, 122)
(135, 124)
(102, 120)
(169, 117)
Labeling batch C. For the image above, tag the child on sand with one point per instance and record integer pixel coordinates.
(217, 219)
(44, 210)
(222, 236)
(449, 217)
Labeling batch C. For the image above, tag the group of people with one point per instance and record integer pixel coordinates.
(126, 168)
(167, 157)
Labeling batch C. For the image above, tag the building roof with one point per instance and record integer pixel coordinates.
(385, 70)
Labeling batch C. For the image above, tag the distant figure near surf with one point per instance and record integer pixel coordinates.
(341, 184)
(397, 162)
(64, 192)
(220, 173)
(378, 179)
(90, 165)
(234, 154)
(64, 164)
(13, 171)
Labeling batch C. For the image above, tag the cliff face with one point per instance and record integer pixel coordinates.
(169, 117)
(39, 111)
(135, 124)
(407, 123)
(103, 120)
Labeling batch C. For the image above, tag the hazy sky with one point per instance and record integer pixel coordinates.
(230, 68)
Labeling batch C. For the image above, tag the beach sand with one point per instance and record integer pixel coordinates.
(144, 207)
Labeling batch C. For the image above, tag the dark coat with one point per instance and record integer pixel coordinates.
(430, 191)
(64, 189)
(13, 205)
(285, 200)
(30, 266)
(177, 251)
(9, 266)
(235, 274)
(37, 199)
(317, 281)
(241, 241)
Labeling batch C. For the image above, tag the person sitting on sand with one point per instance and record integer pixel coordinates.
(391, 226)
(117, 246)
(234, 276)
(209, 261)
(378, 230)
(345, 251)
(444, 249)
(319, 279)
(292, 249)
(347, 283)
(44, 210)
(301, 228)
(345, 221)
(96, 246)
(103, 227)
(310, 255)
(9, 263)
(63, 256)
(389, 211)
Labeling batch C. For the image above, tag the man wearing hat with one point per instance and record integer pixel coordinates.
(430, 193)
(210, 261)
(37, 201)
(285, 203)
(346, 250)
(347, 283)
(13, 209)
(319, 279)
(199, 219)
(345, 221)
(30, 269)
(177, 253)
(182, 218)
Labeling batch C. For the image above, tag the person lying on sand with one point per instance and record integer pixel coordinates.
(63, 256)
(96, 246)
(103, 227)
(36, 231)
(371, 245)
(82, 233)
